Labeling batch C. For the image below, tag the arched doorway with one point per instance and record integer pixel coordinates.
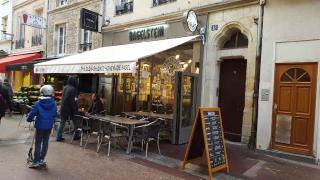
(293, 108)
(232, 85)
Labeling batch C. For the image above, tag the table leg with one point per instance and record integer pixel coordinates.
(130, 139)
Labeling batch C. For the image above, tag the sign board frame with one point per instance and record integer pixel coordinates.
(89, 20)
(202, 141)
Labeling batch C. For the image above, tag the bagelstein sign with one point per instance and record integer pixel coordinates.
(146, 33)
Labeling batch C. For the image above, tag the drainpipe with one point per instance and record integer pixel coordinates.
(253, 136)
(46, 45)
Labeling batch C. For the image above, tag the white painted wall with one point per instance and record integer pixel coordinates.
(6, 10)
(143, 9)
(290, 34)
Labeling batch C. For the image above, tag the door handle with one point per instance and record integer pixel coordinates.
(275, 107)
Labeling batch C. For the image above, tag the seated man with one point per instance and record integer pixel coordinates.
(96, 105)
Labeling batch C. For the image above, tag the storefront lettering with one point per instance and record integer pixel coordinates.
(105, 68)
(147, 33)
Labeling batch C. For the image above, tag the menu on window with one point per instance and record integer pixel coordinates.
(207, 137)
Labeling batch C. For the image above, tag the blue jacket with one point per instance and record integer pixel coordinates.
(45, 110)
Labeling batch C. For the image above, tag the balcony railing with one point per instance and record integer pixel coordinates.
(19, 44)
(124, 8)
(36, 40)
(85, 47)
(4, 37)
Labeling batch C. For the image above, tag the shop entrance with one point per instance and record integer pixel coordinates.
(185, 106)
(232, 97)
(293, 109)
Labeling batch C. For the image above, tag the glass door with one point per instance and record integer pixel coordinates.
(185, 106)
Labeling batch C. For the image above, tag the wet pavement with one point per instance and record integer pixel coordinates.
(70, 161)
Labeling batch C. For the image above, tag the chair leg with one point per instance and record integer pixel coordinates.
(88, 136)
(99, 139)
(147, 145)
(81, 138)
(73, 134)
(158, 144)
(109, 144)
(142, 142)
(20, 120)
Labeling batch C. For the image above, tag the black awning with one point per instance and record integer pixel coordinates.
(26, 66)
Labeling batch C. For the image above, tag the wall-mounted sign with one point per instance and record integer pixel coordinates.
(89, 20)
(192, 21)
(147, 33)
(215, 27)
(32, 20)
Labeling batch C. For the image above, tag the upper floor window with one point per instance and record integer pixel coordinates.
(62, 2)
(124, 6)
(61, 38)
(4, 23)
(85, 40)
(159, 2)
(237, 40)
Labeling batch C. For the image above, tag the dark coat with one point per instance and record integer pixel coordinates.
(45, 109)
(4, 105)
(96, 107)
(68, 101)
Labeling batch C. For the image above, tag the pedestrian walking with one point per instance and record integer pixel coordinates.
(45, 111)
(68, 104)
(10, 93)
(4, 100)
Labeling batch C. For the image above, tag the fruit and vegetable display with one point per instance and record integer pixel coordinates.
(27, 95)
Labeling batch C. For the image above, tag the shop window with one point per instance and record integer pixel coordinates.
(124, 6)
(85, 40)
(295, 75)
(160, 2)
(237, 40)
(61, 36)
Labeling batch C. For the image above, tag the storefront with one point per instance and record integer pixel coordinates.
(22, 76)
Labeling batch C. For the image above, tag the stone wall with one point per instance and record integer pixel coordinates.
(70, 15)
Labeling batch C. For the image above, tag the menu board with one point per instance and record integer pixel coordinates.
(214, 137)
(207, 137)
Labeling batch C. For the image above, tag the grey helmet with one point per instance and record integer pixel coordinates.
(46, 90)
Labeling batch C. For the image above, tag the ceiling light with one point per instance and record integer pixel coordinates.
(190, 60)
(185, 66)
(177, 56)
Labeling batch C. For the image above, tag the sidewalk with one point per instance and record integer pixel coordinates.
(69, 161)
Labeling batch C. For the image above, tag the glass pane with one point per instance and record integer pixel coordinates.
(285, 78)
(299, 72)
(187, 95)
(242, 40)
(305, 78)
(291, 73)
(144, 86)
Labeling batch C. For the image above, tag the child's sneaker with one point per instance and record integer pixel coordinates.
(42, 164)
(34, 165)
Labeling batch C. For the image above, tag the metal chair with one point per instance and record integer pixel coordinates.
(109, 135)
(82, 126)
(150, 133)
(25, 109)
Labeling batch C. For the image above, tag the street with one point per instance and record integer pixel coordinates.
(69, 161)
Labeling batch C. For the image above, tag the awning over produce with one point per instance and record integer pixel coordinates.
(17, 59)
(26, 65)
(111, 59)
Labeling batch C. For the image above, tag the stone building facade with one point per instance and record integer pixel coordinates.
(68, 15)
(231, 41)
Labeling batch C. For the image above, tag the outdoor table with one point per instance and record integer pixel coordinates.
(120, 121)
(152, 115)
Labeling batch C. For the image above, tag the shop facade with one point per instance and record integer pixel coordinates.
(165, 82)
(289, 87)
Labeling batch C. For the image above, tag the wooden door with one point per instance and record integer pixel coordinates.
(232, 97)
(293, 108)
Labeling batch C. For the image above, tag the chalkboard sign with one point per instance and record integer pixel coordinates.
(207, 136)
